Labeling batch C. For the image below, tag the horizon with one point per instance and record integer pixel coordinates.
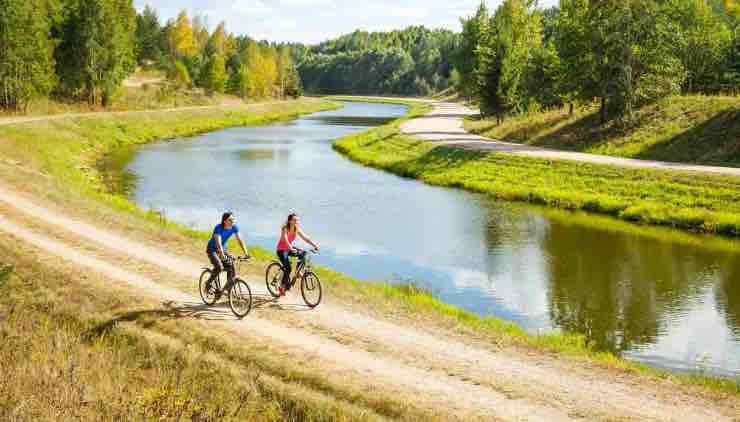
(284, 20)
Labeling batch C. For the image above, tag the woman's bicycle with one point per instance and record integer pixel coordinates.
(239, 293)
(310, 283)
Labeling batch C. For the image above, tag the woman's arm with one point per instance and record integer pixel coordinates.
(307, 239)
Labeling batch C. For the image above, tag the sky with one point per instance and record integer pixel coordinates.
(312, 21)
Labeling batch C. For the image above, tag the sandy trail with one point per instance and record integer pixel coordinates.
(494, 383)
(444, 126)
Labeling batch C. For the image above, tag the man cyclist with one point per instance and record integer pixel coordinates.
(216, 249)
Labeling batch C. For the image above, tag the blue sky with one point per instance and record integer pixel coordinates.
(312, 21)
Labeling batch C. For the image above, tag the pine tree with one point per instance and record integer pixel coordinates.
(26, 53)
(148, 32)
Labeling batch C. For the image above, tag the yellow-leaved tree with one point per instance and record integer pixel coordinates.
(182, 40)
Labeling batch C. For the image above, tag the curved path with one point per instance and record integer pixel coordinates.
(431, 369)
(444, 125)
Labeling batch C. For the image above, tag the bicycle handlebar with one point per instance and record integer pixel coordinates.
(313, 251)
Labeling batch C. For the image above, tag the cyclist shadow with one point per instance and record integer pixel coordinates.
(197, 310)
(267, 301)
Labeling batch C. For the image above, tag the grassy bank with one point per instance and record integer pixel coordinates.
(63, 171)
(687, 129)
(74, 350)
(695, 202)
(70, 149)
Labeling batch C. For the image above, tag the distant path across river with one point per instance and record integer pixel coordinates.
(444, 125)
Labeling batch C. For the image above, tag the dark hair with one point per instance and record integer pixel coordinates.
(226, 216)
(291, 216)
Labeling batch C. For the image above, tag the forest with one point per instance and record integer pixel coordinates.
(76, 50)
(518, 58)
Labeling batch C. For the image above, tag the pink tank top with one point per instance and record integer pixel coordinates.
(282, 244)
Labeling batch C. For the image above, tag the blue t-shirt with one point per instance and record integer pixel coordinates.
(225, 235)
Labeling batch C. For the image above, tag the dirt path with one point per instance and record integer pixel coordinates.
(444, 125)
(453, 377)
(27, 119)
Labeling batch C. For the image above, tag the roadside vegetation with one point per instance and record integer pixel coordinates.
(94, 351)
(689, 129)
(689, 201)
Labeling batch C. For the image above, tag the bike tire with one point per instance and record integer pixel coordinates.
(240, 298)
(209, 298)
(273, 278)
(311, 289)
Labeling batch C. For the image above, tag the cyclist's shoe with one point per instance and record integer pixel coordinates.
(281, 292)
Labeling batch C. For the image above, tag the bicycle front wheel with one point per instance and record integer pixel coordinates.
(240, 298)
(273, 278)
(208, 288)
(311, 289)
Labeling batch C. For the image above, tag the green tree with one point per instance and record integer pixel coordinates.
(700, 44)
(98, 49)
(26, 53)
(214, 74)
(467, 56)
(148, 33)
(618, 51)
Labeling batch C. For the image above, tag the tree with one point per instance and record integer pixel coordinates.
(183, 44)
(181, 75)
(218, 40)
(97, 52)
(467, 57)
(617, 51)
(700, 44)
(148, 32)
(26, 53)
(214, 74)
(200, 32)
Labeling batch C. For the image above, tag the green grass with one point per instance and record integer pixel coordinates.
(70, 353)
(70, 149)
(65, 153)
(688, 129)
(695, 202)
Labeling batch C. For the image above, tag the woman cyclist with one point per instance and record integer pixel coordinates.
(285, 248)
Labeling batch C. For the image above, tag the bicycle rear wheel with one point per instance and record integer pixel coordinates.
(208, 290)
(311, 289)
(273, 278)
(240, 298)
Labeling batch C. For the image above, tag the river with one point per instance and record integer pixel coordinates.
(662, 297)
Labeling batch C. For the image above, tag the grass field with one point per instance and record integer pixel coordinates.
(60, 157)
(687, 129)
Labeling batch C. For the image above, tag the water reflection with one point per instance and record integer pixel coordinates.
(666, 298)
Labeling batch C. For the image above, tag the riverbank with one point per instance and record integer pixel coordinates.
(691, 201)
(357, 319)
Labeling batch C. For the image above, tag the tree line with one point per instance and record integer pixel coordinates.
(414, 61)
(622, 53)
(83, 49)
(217, 61)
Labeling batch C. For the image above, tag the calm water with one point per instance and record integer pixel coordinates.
(665, 298)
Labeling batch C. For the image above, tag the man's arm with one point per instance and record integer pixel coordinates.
(219, 249)
(241, 243)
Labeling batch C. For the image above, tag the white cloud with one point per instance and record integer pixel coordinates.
(313, 21)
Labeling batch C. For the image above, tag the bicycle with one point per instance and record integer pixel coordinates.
(310, 283)
(240, 295)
